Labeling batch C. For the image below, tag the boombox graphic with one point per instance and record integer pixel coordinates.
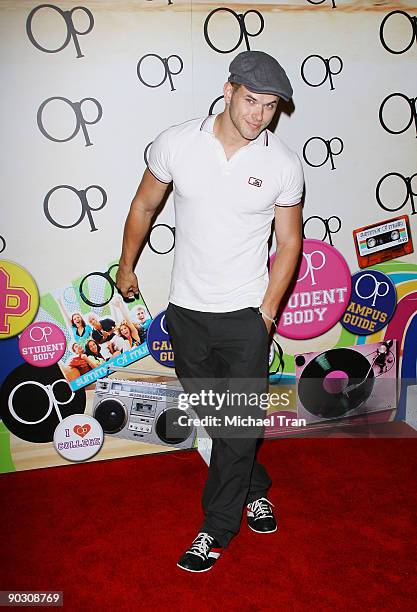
(345, 382)
(143, 411)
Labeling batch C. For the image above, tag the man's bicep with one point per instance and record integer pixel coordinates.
(291, 184)
(288, 224)
(150, 192)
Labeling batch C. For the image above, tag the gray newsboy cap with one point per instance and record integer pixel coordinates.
(261, 73)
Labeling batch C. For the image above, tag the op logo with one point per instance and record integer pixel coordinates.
(244, 33)
(319, 295)
(72, 32)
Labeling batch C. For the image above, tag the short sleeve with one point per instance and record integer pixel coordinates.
(293, 184)
(159, 158)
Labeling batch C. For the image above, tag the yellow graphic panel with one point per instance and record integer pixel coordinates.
(19, 299)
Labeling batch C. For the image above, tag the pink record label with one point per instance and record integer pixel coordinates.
(320, 295)
(42, 344)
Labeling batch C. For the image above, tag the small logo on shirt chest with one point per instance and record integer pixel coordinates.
(254, 181)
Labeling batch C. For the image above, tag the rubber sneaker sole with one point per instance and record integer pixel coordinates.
(256, 531)
(187, 569)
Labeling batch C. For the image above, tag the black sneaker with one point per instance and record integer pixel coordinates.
(260, 516)
(202, 554)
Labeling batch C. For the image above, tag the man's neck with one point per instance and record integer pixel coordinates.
(227, 134)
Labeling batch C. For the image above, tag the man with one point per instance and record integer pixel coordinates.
(141, 321)
(232, 178)
(103, 329)
(103, 332)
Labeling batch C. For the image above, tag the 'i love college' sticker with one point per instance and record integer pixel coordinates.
(78, 437)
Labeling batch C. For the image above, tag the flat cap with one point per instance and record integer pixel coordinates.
(261, 73)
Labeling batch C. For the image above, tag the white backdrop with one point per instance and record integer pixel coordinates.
(132, 114)
(103, 141)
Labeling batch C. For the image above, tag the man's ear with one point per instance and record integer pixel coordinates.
(227, 92)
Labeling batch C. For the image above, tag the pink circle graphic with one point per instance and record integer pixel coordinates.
(42, 344)
(335, 382)
(320, 295)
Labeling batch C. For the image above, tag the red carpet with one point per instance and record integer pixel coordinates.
(109, 533)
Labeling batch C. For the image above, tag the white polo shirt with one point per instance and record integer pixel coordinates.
(223, 212)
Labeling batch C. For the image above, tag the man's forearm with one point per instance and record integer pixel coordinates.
(142, 210)
(136, 228)
(280, 276)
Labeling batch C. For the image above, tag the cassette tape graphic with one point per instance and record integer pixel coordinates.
(383, 241)
(344, 382)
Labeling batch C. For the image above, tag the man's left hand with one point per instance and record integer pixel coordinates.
(268, 324)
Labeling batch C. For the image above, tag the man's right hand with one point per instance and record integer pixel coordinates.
(127, 283)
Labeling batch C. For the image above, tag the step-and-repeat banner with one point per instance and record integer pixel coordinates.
(86, 89)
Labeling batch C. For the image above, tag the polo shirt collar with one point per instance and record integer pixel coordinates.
(208, 124)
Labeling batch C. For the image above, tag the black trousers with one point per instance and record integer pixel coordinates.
(219, 350)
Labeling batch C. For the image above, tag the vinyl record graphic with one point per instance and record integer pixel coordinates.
(335, 382)
(34, 400)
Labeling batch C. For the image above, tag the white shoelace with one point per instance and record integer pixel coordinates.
(201, 545)
(261, 508)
